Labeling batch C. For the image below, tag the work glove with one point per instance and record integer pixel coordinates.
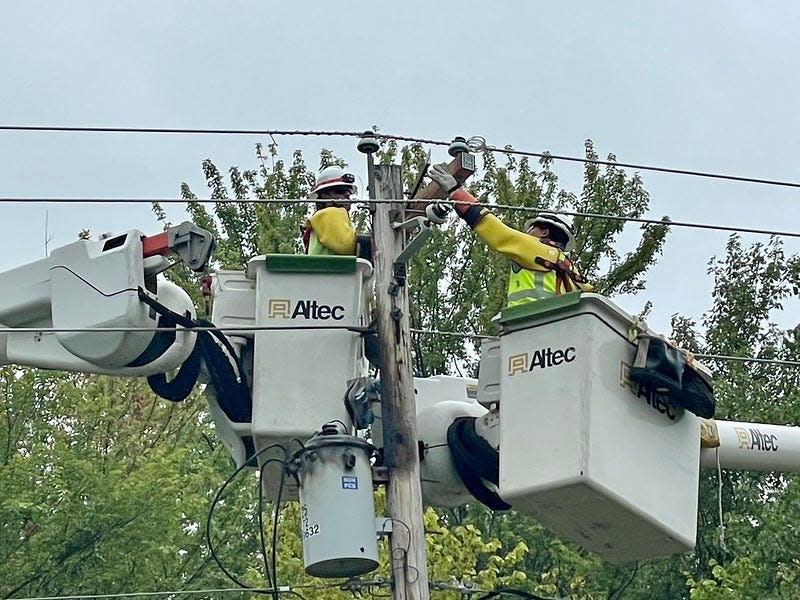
(437, 213)
(464, 201)
(441, 176)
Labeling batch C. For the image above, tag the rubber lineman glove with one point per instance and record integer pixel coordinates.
(440, 175)
(436, 212)
(464, 201)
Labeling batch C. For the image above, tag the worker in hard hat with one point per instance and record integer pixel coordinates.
(539, 264)
(329, 230)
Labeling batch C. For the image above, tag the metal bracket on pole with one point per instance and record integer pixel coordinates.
(419, 240)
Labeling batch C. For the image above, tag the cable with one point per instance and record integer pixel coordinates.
(254, 328)
(261, 537)
(526, 209)
(513, 592)
(476, 144)
(175, 130)
(275, 524)
(665, 221)
(150, 594)
(769, 361)
(214, 502)
(722, 357)
(613, 163)
(621, 590)
(454, 334)
(212, 329)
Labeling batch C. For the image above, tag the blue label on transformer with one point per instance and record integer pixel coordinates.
(349, 482)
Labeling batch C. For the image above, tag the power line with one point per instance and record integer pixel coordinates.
(282, 590)
(747, 359)
(354, 329)
(508, 207)
(476, 144)
(477, 147)
(667, 221)
(351, 585)
(180, 131)
(232, 328)
(721, 357)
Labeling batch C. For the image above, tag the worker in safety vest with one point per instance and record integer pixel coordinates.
(540, 267)
(329, 230)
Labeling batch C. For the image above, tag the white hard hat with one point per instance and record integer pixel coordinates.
(332, 177)
(552, 221)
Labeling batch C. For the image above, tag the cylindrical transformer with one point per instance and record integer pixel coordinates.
(337, 508)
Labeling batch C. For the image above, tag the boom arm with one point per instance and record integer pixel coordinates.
(97, 285)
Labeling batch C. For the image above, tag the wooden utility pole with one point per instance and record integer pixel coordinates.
(398, 411)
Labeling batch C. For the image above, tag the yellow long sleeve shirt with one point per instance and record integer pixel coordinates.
(332, 232)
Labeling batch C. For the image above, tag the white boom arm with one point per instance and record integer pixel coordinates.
(753, 447)
(97, 284)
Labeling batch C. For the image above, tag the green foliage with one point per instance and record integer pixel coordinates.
(759, 509)
(104, 487)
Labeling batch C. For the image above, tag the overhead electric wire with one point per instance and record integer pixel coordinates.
(722, 357)
(527, 209)
(229, 328)
(478, 145)
(747, 359)
(153, 594)
(354, 329)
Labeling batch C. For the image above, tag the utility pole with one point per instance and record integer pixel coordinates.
(398, 411)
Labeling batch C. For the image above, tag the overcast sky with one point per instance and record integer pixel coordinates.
(707, 86)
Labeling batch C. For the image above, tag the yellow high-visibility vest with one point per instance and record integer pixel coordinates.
(528, 286)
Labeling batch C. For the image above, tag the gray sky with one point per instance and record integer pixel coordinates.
(699, 85)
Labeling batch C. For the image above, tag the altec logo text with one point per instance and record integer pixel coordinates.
(543, 358)
(754, 439)
(303, 309)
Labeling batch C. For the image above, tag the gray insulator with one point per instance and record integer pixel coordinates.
(368, 143)
(457, 146)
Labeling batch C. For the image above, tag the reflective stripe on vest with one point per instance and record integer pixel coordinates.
(528, 286)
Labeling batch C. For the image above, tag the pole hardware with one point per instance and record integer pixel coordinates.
(368, 143)
(419, 240)
(457, 146)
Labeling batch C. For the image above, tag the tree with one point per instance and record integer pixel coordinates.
(104, 486)
(757, 558)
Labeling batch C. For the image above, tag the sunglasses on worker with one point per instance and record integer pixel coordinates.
(340, 190)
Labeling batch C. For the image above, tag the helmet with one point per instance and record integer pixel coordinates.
(552, 222)
(332, 177)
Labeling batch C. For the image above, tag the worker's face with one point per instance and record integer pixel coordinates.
(337, 196)
(539, 232)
